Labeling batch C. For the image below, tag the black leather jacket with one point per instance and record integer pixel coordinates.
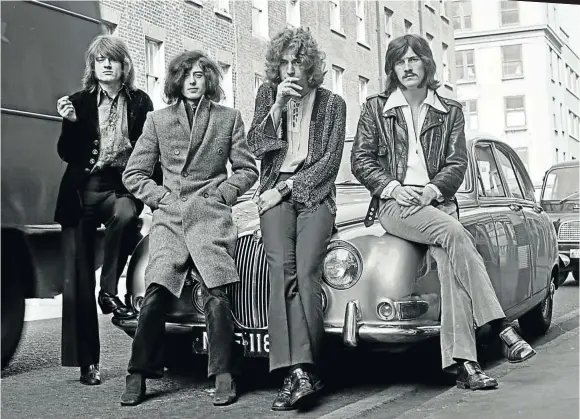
(379, 152)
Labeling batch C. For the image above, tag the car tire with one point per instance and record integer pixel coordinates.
(536, 322)
(576, 275)
(13, 307)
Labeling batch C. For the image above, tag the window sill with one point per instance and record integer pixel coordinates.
(197, 3)
(505, 78)
(448, 85)
(339, 32)
(430, 7)
(574, 137)
(462, 82)
(516, 129)
(572, 93)
(223, 14)
(260, 36)
(445, 19)
(364, 44)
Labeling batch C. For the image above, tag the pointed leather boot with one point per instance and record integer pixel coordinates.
(514, 348)
(134, 390)
(225, 390)
(471, 376)
(90, 375)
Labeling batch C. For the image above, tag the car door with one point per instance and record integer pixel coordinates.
(522, 191)
(510, 227)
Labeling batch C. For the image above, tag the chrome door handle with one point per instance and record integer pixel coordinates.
(515, 207)
(539, 210)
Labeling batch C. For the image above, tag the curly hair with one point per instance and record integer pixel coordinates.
(397, 49)
(178, 70)
(301, 42)
(114, 49)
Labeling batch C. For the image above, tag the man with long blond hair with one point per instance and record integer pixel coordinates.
(298, 133)
(100, 127)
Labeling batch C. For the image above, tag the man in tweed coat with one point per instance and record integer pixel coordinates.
(298, 133)
(192, 216)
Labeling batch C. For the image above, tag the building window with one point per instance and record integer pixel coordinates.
(258, 80)
(154, 66)
(465, 65)
(337, 80)
(260, 18)
(572, 124)
(408, 26)
(551, 58)
(562, 119)
(512, 66)
(510, 13)
(363, 84)
(560, 70)
(388, 26)
(335, 20)
(361, 29)
(228, 85)
(445, 49)
(461, 14)
(222, 6)
(470, 113)
(515, 112)
(293, 12)
(108, 28)
(429, 38)
(444, 8)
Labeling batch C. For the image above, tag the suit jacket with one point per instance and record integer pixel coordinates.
(79, 146)
(194, 203)
(314, 181)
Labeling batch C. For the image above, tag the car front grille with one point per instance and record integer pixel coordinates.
(251, 296)
(569, 231)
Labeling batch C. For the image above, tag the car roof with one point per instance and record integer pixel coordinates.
(471, 135)
(569, 163)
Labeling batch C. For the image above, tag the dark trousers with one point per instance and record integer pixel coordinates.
(295, 241)
(80, 326)
(147, 350)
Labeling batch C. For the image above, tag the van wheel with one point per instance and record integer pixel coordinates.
(536, 322)
(13, 306)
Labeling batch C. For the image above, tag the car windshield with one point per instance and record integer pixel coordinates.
(561, 184)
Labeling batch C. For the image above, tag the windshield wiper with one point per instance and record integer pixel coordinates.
(569, 197)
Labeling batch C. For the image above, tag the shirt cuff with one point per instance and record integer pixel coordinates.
(290, 183)
(436, 189)
(386, 194)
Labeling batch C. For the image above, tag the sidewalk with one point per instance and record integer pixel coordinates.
(545, 387)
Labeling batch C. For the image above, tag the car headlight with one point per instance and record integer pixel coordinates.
(342, 266)
(197, 297)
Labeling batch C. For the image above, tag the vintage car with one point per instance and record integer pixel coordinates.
(559, 198)
(380, 291)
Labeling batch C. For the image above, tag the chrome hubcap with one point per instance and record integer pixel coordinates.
(546, 306)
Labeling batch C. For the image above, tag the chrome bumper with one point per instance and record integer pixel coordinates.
(352, 332)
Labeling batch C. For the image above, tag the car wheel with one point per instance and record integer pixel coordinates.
(536, 322)
(13, 306)
(575, 274)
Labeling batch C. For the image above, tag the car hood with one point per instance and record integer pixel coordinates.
(352, 204)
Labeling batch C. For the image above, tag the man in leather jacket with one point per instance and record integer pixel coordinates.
(410, 152)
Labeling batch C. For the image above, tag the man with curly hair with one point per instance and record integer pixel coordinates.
(298, 133)
(192, 219)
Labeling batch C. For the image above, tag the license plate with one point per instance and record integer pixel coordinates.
(256, 343)
(574, 253)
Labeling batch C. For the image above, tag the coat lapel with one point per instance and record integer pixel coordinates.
(182, 118)
(92, 112)
(199, 127)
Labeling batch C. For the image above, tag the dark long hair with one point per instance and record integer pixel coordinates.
(305, 46)
(179, 68)
(397, 49)
(113, 48)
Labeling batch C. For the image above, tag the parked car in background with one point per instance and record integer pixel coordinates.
(381, 291)
(559, 198)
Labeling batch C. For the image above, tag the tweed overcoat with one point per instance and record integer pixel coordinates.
(193, 206)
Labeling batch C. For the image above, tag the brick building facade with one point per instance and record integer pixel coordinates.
(353, 34)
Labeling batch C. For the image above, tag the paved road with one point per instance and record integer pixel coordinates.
(360, 384)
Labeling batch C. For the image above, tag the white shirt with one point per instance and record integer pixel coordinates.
(299, 113)
(416, 173)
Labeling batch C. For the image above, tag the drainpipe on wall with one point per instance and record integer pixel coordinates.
(380, 51)
(420, 10)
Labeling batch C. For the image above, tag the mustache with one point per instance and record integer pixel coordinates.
(409, 74)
